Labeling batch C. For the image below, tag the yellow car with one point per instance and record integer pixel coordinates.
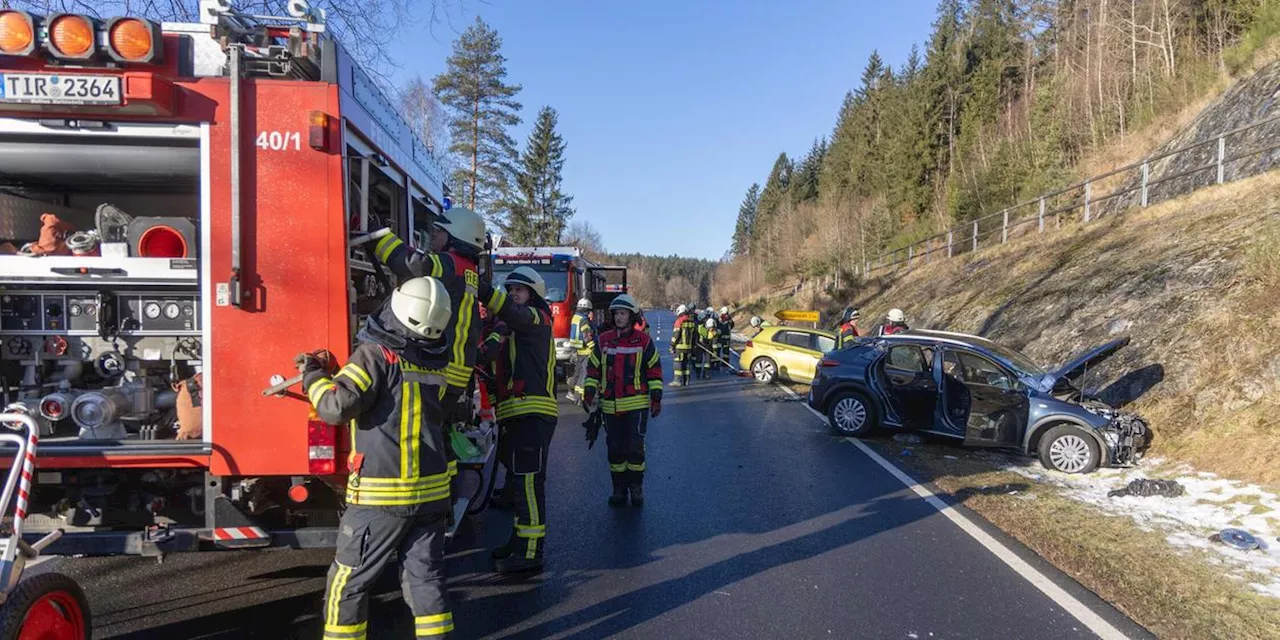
(787, 353)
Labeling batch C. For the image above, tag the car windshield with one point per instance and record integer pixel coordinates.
(557, 282)
(1020, 363)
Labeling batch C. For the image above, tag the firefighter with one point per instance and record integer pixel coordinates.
(641, 323)
(724, 331)
(581, 337)
(848, 326)
(398, 488)
(707, 340)
(895, 322)
(625, 373)
(457, 239)
(684, 337)
(527, 411)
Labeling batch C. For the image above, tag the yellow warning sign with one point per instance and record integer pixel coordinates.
(794, 315)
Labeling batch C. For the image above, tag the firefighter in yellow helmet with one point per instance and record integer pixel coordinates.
(582, 338)
(624, 372)
(398, 486)
(527, 411)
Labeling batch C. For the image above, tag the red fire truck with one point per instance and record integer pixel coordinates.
(177, 203)
(570, 276)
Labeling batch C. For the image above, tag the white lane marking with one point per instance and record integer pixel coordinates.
(1046, 586)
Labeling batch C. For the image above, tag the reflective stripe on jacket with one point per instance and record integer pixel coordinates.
(625, 370)
(460, 277)
(526, 379)
(394, 413)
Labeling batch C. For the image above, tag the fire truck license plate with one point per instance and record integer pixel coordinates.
(55, 88)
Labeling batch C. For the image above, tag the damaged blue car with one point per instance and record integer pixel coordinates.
(978, 392)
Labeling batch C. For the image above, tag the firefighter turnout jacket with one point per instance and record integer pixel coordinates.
(848, 332)
(581, 334)
(625, 372)
(526, 371)
(685, 334)
(462, 279)
(389, 392)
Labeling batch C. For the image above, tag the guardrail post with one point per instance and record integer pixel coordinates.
(1222, 153)
(975, 235)
(1004, 230)
(950, 251)
(1087, 187)
(1040, 217)
(1146, 177)
(911, 253)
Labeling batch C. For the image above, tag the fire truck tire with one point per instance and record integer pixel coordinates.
(48, 605)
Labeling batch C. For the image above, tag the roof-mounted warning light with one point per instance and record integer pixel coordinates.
(17, 32)
(72, 36)
(134, 40)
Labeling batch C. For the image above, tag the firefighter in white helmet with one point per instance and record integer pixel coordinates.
(457, 239)
(895, 322)
(527, 411)
(625, 374)
(684, 339)
(724, 335)
(582, 339)
(398, 487)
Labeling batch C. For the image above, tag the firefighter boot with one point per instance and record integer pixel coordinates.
(637, 495)
(619, 497)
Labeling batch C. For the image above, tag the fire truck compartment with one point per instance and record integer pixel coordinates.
(101, 310)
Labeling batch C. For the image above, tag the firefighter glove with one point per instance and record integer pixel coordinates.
(588, 397)
(308, 362)
(655, 404)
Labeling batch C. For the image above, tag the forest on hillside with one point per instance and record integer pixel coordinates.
(1005, 100)
(665, 281)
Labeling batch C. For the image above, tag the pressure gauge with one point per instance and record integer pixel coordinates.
(171, 310)
(75, 310)
(151, 310)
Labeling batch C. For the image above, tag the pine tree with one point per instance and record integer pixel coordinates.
(746, 221)
(775, 190)
(484, 106)
(541, 211)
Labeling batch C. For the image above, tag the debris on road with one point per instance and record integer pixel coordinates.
(1146, 487)
(1238, 539)
(907, 439)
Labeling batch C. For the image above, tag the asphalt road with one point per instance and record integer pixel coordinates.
(758, 524)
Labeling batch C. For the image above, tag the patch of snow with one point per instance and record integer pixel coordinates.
(1209, 504)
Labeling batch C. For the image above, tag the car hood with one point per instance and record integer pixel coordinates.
(1075, 368)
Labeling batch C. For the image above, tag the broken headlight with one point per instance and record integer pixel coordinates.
(1127, 436)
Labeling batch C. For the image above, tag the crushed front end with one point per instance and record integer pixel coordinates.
(1127, 436)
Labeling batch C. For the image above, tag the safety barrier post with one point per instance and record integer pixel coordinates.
(1087, 186)
(1146, 177)
(1040, 217)
(949, 249)
(1004, 231)
(975, 235)
(1222, 152)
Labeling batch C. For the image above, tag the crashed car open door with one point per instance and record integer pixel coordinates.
(907, 370)
(982, 400)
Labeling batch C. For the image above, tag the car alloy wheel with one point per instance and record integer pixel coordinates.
(764, 370)
(849, 415)
(1070, 453)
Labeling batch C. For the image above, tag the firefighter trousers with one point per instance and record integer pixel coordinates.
(579, 372)
(368, 537)
(624, 436)
(682, 363)
(529, 440)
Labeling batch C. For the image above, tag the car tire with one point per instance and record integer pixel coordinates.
(850, 415)
(1069, 449)
(764, 370)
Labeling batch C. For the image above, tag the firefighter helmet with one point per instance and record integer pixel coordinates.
(711, 323)
(465, 226)
(896, 315)
(625, 301)
(850, 314)
(422, 305)
(724, 311)
(755, 321)
(529, 278)
(584, 304)
(681, 310)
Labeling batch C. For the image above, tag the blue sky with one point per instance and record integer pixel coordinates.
(670, 109)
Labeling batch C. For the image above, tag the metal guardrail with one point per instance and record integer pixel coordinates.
(969, 237)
